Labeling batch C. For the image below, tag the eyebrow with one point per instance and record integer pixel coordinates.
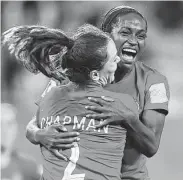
(139, 30)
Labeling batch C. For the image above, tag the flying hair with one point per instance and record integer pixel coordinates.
(32, 45)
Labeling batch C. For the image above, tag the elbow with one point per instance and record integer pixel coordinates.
(27, 133)
(151, 151)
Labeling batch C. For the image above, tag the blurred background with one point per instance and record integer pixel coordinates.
(164, 52)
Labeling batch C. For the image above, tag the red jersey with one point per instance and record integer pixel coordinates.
(98, 154)
(151, 91)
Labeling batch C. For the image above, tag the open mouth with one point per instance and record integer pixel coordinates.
(128, 54)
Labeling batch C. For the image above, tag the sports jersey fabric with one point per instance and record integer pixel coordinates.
(98, 154)
(150, 90)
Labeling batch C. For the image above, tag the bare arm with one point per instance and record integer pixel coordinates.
(146, 134)
(54, 136)
(31, 130)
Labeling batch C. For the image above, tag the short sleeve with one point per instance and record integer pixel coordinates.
(50, 85)
(157, 93)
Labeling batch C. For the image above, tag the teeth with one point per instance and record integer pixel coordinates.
(130, 50)
(128, 58)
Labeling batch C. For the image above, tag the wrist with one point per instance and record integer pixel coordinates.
(131, 118)
(37, 135)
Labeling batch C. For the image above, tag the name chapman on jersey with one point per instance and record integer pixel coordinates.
(81, 123)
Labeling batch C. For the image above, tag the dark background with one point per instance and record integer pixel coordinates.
(164, 52)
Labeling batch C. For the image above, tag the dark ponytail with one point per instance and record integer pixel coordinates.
(89, 52)
(32, 45)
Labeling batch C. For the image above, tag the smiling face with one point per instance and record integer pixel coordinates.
(129, 33)
(110, 66)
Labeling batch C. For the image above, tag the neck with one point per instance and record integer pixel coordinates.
(121, 72)
(89, 84)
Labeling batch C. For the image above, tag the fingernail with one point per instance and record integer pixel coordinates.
(89, 98)
(77, 133)
(77, 139)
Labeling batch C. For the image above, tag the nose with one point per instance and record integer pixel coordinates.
(133, 40)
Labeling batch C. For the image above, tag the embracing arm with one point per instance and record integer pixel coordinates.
(146, 134)
(53, 138)
(31, 130)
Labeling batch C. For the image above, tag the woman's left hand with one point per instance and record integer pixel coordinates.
(107, 111)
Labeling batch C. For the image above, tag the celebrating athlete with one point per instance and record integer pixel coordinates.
(128, 29)
(90, 62)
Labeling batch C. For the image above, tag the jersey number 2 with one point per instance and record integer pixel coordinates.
(72, 165)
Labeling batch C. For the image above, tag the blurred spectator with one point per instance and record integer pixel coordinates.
(14, 164)
(170, 14)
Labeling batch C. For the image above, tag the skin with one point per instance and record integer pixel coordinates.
(130, 32)
(107, 73)
(56, 137)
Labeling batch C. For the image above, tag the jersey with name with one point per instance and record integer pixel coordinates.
(98, 154)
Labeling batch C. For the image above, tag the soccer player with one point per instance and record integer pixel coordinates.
(128, 28)
(149, 88)
(90, 62)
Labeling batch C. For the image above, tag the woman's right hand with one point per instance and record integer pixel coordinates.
(55, 138)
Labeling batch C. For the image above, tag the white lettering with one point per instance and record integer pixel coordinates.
(106, 128)
(77, 124)
(91, 124)
(49, 121)
(67, 120)
(42, 123)
(57, 120)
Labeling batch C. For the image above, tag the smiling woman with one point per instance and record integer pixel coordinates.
(129, 33)
(148, 87)
(90, 61)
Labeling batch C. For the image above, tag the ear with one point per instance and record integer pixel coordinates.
(94, 75)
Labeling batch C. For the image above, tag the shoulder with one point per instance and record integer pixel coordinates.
(52, 84)
(59, 90)
(123, 98)
(149, 72)
(129, 101)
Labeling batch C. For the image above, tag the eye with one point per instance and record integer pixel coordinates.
(141, 36)
(125, 33)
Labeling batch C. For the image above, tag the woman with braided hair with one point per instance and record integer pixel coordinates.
(89, 61)
(149, 88)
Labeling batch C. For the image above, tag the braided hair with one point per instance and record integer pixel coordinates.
(114, 12)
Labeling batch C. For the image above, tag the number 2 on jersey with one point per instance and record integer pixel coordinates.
(72, 165)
